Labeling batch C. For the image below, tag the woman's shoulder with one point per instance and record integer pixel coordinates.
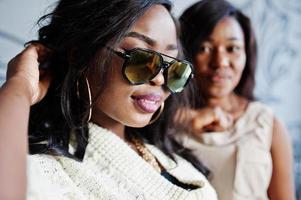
(42, 164)
(36, 159)
(45, 175)
(259, 107)
(259, 113)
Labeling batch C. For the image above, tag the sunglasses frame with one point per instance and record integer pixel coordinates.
(164, 65)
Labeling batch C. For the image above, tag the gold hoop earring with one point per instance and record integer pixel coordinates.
(90, 100)
(158, 115)
(89, 96)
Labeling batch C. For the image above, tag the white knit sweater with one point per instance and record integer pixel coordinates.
(111, 170)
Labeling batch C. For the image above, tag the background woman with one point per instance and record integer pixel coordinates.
(246, 148)
(100, 129)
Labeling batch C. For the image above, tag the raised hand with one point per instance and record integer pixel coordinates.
(24, 68)
(25, 85)
(210, 119)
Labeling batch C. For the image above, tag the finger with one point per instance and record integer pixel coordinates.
(198, 123)
(227, 120)
(38, 52)
(32, 57)
(30, 51)
(218, 113)
(202, 118)
(44, 85)
(211, 128)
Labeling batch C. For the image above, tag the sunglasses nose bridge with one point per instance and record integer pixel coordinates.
(164, 65)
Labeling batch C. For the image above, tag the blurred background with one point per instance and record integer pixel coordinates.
(278, 30)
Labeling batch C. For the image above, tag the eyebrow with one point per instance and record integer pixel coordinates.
(234, 38)
(230, 38)
(149, 40)
(142, 37)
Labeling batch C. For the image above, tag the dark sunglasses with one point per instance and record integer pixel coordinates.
(142, 65)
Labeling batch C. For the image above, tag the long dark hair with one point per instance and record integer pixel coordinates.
(76, 32)
(198, 22)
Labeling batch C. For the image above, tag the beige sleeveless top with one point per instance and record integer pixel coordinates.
(240, 158)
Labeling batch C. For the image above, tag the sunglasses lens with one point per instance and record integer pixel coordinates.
(177, 76)
(142, 66)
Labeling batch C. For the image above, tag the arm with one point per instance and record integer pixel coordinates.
(14, 106)
(19, 92)
(282, 183)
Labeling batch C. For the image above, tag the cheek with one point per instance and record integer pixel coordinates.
(115, 93)
(114, 102)
(201, 71)
(201, 63)
(238, 74)
(240, 61)
(117, 87)
(239, 65)
(116, 90)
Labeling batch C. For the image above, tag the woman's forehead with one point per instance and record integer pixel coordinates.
(156, 26)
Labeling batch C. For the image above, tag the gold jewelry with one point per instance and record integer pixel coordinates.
(90, 100)
(158, 115)
(89, 96)
(146, 154)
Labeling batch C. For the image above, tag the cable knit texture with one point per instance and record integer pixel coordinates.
(239, 159)
(111, 170)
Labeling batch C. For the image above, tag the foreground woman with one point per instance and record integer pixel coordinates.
(100, 123)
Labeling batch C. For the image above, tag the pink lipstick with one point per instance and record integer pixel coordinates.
(148, 103)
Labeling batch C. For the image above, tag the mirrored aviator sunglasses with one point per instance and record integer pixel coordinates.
(142, 65)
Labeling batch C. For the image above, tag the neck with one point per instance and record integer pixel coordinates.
(231, 103)
(118, 129)
(224, 102)
(104, 121)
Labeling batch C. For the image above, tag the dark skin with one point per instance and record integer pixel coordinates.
(27, 85)
(219, 66)
(16, 97)
(146, 33)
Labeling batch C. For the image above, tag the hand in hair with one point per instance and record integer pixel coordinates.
(24, 68)
(25, 85)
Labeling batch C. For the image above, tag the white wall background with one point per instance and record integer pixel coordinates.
(17, 26)
(278, 30)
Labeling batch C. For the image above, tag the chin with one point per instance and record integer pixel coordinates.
(138, 123)
(218, 92)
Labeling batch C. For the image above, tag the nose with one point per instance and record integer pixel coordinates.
(219, 59)
(158, 79)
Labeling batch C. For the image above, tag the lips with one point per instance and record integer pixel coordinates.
(148, 103)
(220, 78)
